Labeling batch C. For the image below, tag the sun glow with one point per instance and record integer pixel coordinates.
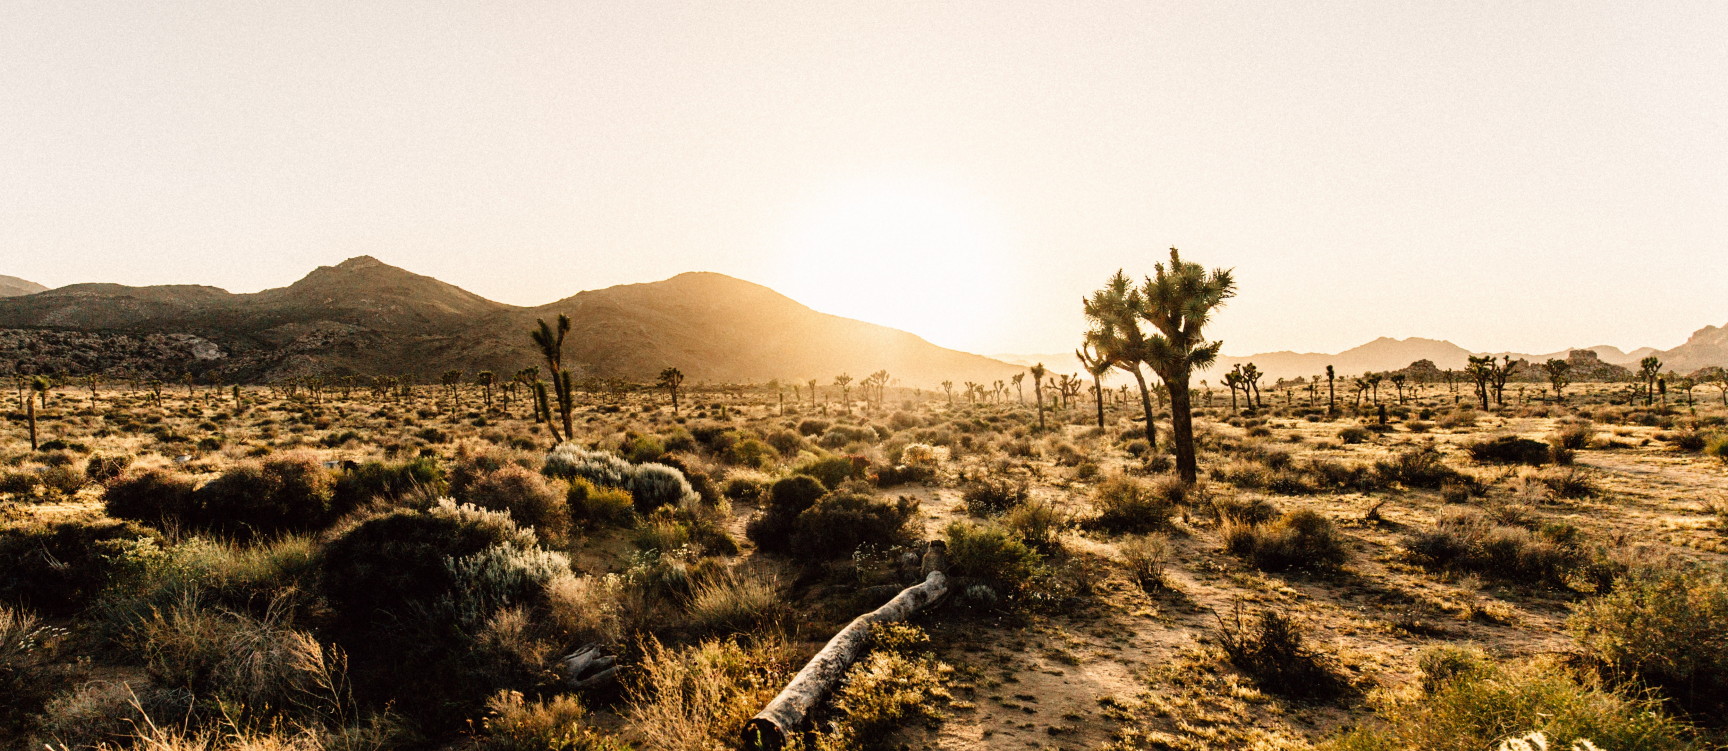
(912, 254)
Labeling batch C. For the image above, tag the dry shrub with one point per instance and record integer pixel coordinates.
(1297, 539)
(741, 600)
(1038, 523)
(842, 521)
(1473, 542)
(1421, 467)
(1145, 557)
(1664, 626)
(1466, 703)
(586, 608)
(990, 497)
(28, 666)
(558, 723)
(290, 492)
(1126, 504)
(526, 495)
(153, 496)
(1509, 449)
(888, 689)
(1573, 435)
(696, 698)
(1273, 650)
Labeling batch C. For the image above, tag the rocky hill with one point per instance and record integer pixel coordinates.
(365, 317)
(11, 286)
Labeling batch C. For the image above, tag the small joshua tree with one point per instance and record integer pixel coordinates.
(1559, 374)
(1649, 369)
(671, 379)
(550, 342)
(485, 379)
(845, 383)
(1038, 373)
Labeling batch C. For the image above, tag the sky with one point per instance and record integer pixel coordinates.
(1522, 176)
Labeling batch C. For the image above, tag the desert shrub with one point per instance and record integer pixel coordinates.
(1459, 418)
(695, 698)
(526, 495)
(1471, 542)
(449, 590)
(19, 483)
(1273, 650)
(839, 522)
(885, 690)
(1145, 556)
(992, 496)
(1421, 467)
(388, 481)
(602, 468)
(753, 453)
(594, 507)
(695, 474)
(1038, 523)
(587, 608)
(1129, 504)
(1465, 703)
(103, 469)
(1664, 626)
(56, 568)
(1354, 434)
(557, 723)
(1509, 449)
(1297, 539)
(1242, 509)
(661, 531)
(29, 669)
(280, 494)
(738, 601)
(787, 498)
(1457, 491)
(640, 447)
(61, 480)
(832, 471)
(1568, 482)
(987, 554)
(1573, 436)
(813, 427)
(745, 488)
(153, 496)
(654, 485)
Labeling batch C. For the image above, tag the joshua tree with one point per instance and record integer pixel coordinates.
(844, 382)
(1097, 365)
(1717, 376)
(1559, 374)
(671, 379)
(1500, 371)
(1114, 315)
(1038, 373)
(1373, 380)
(550, 342)
(485, 379)
(812, 385)
(1686, 384)
(1331, 391)
(452, 379)
(1481, 370)
(1398, 380)
(1179, 301)
(1233, 379)
(1648, 370)
(1017, 379)
(40, 385)
(971, 392)
(948, 386)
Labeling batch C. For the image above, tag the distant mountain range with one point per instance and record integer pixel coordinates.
(1708, 346)
(365, 317)
(11, 286)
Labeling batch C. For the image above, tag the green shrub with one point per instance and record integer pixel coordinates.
(654, 485)
(987, 554)
(1665, 627)
(596, 507)
(1465, 703)
(281, 494)
(1131, 505)
(389, 482)
(787, 498)
(643, 448)
(558, 723)
(153, 496)
(752, 453)
(1717, 446)
(57, 568)
(1297, 539)
(841, 521)
(831, 471)
(1038, 523)
(604, 469)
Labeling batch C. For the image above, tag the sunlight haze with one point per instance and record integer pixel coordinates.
(1525, 176)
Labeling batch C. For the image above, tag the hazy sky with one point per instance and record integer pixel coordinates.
(1508, 175)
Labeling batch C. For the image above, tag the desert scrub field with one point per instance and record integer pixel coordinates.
(198, 569)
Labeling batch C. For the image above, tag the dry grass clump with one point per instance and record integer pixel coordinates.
(695, 698)
(1464, 702)
(1038, 523)
(1124, 504)
(897, 683)
(1145, 557)
(1297, 539)
(1664, 626)
(29, 672)
(740, 600)
(1273, 650)
(558, 723)
(1473, 542)
(993, 496)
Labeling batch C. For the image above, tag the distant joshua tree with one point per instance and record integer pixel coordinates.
(1648, 370)
(1331, 391)
(1096, 365)
(1038, 373)
(40, 386)
(452, 380)
(550, 342)
(844, 382)
(1717, 376)
(1233, 380)
(671, 379)
(1398, 380)
(1018, 379)
(948, 386)
(485, 379)
(1559, 374)
(1373, 380)
(1114, 316)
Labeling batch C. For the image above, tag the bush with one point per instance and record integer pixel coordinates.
(153, 496)
(697, 697)
(1418, 468)
(654, 485)
(596, 507)
(987, 554)
(1146, 556)
(558, 723)
(1297, 539)
(389, 482)
(1036, 522)
(102, 469)
(1508, 449)
(787, 498)
(831, 471)
(1664, 627)
(569, 461)
(989, 497)
(738, 601)
(1465, 703)
(1273, 651)
(1354, 434)
(1573, 436)
(525, 495)
(1128, 504)
(1471, 542)
(752, 453)
(281, 494)
(884, 691)
(28, 670)
(58, 568)
(841, 521)
(1717, 446)
(643, 448)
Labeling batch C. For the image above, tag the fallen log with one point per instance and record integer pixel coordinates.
(769, 728)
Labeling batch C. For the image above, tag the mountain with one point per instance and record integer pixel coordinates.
(11, 286)
(1384, 353)
(365, 317)
(1706, 347)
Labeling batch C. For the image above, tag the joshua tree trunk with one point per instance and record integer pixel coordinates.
(30, 415)
(1182, 431)
(1146, 405)
(1098, 394)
